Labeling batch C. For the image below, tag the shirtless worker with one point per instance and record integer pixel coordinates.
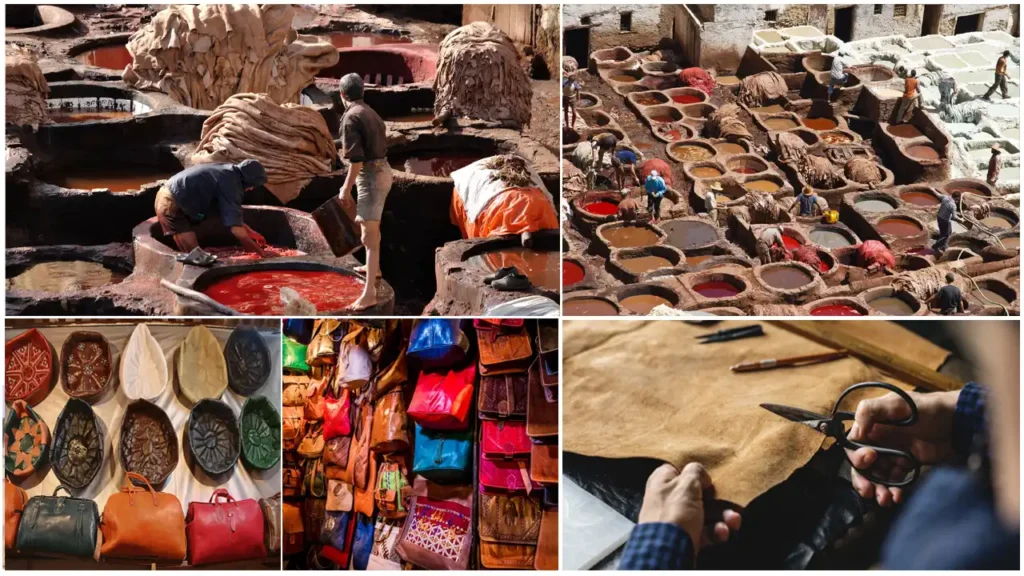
(1001, 78)
(364, 146)
(195, 194)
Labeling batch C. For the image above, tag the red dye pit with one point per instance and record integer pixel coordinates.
(572, 273)
(836, 310)
(601, 208)
(237, 253)
(716, 289)
(114, 57)
(745, 170)
(685, 99)
(789, 242)
(259, 293)
(919, 198)
(357, 40)
(673, 135)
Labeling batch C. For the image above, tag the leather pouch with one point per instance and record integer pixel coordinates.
(442, 456)
(293, 425)
(438, 534)
(503, 396)
(365, 498)
(547, 543)
(315, 403)
(15, 499)
(362, 542)
(442, 400)
(504, 439)
(337, 416)
(502, 347)
(549, 371)
(390, 426)
(291, 475)
(293, 529)
(438, 342)
(359, 455)
(496, 556)
(294, 392)
(393, 490)
(542, 415)
(396, 373)
(314, 480)
(339, 496)
(321, 346)
(355, 368)
(312, 444)
(509, 518)
(314, 515)
(272, 528)
(334, 531)
(143, 523)
(293, 356)
(60, 526)
(511, 475)
(544, 463)
(336, 451)
(224, 531)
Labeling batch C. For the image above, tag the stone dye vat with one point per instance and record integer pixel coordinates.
(785, 277)
(899, 227)
(437, 163)
(539, 266)
(830, 237)
(642, 298)
(386, 65)
(921, 198)
(258, 292)
(689, 234)
(111, 57)
(589, 306)
(124, 179)
(572, 273)
(875, 205)
(616, 235)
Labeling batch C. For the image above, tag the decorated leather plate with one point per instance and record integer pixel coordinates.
(248, 360)
(143, 367)
(77, 452)
(86, 365)
(26, 440)
(149, 445)
(202, 371)
(261, 433)
(213, 436)
(30, 370)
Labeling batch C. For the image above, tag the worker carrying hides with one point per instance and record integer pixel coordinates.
(26, 88)
(500, 195)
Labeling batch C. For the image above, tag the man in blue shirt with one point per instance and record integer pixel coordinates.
(195, 194)
(837, 75)
(947, 212)
(655, 188)
(624, 163)
(807, 202)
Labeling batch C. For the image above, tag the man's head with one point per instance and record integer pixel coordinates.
(625, 192)
(950, 277)
(1006, 53)
(808, 191)
(253, 173)
(654, 173)
(913, 73)
(995, 149)
(351, 87)
(616, 162)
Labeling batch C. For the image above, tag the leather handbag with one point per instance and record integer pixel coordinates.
(314, 516)
(549, 371)
(438, 534)
(312, 444)
(291, 475)
(364, 500)
(393, 490)
(359, 456)
(512, 475)
(542, 414)
(442, 456)
(550, 495)
(272, 523)
(395, 374)
(314, 481)
(503, 396)
(544, 463)
(14, 504)
(362, 542)
(339, 496)
(547, 542)
(298, 329)
(390, 426)
(341, 553)
(293, 356)
(315, 405)
(442, 400)
(438, 342)
(143, 523)
(334, 531)
(336, 452)
(336, 416)
(384, 556)
(321, 345)
(547, 337)
(502, 347)
(355, 368)
(224, 530)
(497, 556)
(504, 439)
(293, 529)
(509, 518)
(293, 425)
(61, 526)
(294, 392)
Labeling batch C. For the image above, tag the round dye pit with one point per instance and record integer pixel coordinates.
(429, 116)
(572, 273)
(892, 306)
(730, 148)
(997, 222)
(829, 238)
(769, 109)
(691, 152)
(923, 199)
(686, 99)
(629, 236)
(643, 303)
(587, 102)
(64, 276)
(88, 115)
(984, 297)
(820, 123)
(624, 78)
(762, 185)
(1011, 243)
(705, 172)
(259, 293)
(904, 131)
(238, 253)
(541, 267)
(601, 208)
(790, 242)
(589, 307)
(780, 123)
(874, 205)
(649, 99)
(698, 258)
(643, 264)
(663, 118)
(111, 57)
(836, 138)
(437, 163)
(689, 234)
(923, 152)
(785, 277)
(716, 289)
(836, 310)
(899, 227)
(746, 165)
(124, 179)
(363, 39)
(673, 135)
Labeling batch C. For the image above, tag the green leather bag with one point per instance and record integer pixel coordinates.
(293, 356)
(61, 526)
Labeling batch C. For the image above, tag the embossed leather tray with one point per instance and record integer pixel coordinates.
(77, 451)
(248, 360)
(149, 445)
(202, 371)
(30, 367)
(261, 433)
(86, 366)
(26, 440)
(213, 436)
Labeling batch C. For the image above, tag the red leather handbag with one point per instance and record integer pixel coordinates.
(224, 531)
(486, 323)
(442, 400)
(504, 440)
(511, 475)
(336, 417)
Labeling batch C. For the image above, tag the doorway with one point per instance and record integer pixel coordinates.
(971, 23)
(576, 43)
(843, 28)
(930, 22)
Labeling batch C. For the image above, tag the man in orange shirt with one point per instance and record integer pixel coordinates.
(910, 94)
(1001, 77)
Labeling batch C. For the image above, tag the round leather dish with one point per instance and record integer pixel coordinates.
(86, 365)
(77, 452)
(248, 360)
(30, 370)
(26, 440)
(213, 436)
(261, 433)
(202, 372)
(149, 445)
(143, 367)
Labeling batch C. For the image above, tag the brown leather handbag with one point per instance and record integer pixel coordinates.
(293, 425)
(395, 374)
(336, 451)
(291, 475)
(502, 348)
(294, 392)
(339, 496)
(497, 556)
(359, 456)
(544, 463)
(364, 502)
(509, 519)
(390, 423)
(272, 523)
(321, 346)
(542, 414)
(314, 512)
(503, 396)
(547, 543)
(312, 444)
(14, 503)
(143, 523)
(293, 528)
(313, 409)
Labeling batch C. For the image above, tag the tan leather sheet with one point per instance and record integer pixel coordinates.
(647, 389)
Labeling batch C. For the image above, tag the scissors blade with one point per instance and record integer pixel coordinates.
(799, 415)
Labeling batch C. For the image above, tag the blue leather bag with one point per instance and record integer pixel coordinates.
(438, 342)
(362, 542)
(335, 529)
(442, 456)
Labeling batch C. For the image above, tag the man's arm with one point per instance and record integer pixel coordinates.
(242, 234)
(658, 546)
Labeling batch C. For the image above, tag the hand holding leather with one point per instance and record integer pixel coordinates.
(675, 497)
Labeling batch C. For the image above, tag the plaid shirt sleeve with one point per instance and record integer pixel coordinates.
(969, 422)
(658, 546)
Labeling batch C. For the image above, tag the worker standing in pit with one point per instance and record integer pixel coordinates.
(995, 164)
(1001, 78)
(947, 212)
(655, 188)
(910, 96)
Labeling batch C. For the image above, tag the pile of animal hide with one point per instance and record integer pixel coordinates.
(764, 209)
(791, 147)
(808, 255)
(478, 76)
(762, 88)
(201, 55)
(697, 78)
(863, 171)
(725, 123)
(820, 172)
(292, 142)
(872, 252)
(26, 89)
(923, 284)
(573, 180)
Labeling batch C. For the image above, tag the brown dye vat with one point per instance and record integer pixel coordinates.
(542, 268)
(88, 115)
(722, 198)
(588, 307)
(629, 237)
(663, 119)
(421, 117)
(64, 276)
(1011, 242)
(785, 277)
(434, 163)
(706, 172)
(689, 152)
(363, 39)
(644, 145)
(836, 138)
(716, 289)
(689, 234)
(673, 135)
(624, 78)
(923, 152)
(727, 80)
(645, 263)
(770, 109)
(874, 206)
(694, 260)
(900, 227)
(643, 303)
(780, 124)
(762, 185)
(904, 131)
(820, 123)
(729, 148)
(647, 100)
(920, 198)
(891, 306)
(997, 222)
(987, 298)
(125, 180)
(113, 57)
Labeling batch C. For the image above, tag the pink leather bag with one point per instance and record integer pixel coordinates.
(504, 440)
(224, 531)
(511, 475)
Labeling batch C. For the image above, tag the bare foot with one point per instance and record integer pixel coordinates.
(361, 269)
(363, 303)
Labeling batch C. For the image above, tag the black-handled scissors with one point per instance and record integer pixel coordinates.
(889, 459)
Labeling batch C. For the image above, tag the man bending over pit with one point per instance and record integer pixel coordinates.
(197, 193)
(364, 146)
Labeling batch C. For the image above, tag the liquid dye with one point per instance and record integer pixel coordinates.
(686, 99)
(643, 264)
(705, 172)
(236, 253)
(836, 310)
(113, 57)
(572, 273)
(988, 298)
(829, 238)
(874, 206)
(904, 131)
(259, 293)
(589, 307)
(623, 78)
(923, 152)
(729, 148)
(643, 303)
(689, 234)
(891, 306)
(780, 124)
(785, 277)
(761, 185)
(996, 222)
(647, 100)
(601, 208)
(716, 289)
(820, 123)
(541, 267)
(790, 242)
(436, 163)
(629, 237)
(125, 179)
(836, 138)
(899, 227)
(689, 152)
(744, 170)
(662, 119)
(920, 198)
(87, 115)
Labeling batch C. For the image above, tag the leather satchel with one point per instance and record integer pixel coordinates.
(365, 498)
(224, 530)
(315, 405)
(438, 534)
(312, 444)
(291, 475)
(293, 528)
(442, 400)
(355, 368)
(390, 426)
(542, 414)
(359, 456)
(442, 456)
(503, 396)
(334, 531)
(143, 523)
(294, 392)
(393, 490)
(502, 347)
(339, 496)
(509, 518)
(544, 463)
(438, 342)
(272, 523)
(293, 425)
(336, 417)
(314, 515)
(336, 451)
(293, 356)
(504, 439)
(511, 475)
(547, 543)
(61, 526)
(396, 373)
(321, 345)
(497, 556)
(14, 504)
(362, 541)
(314, 480)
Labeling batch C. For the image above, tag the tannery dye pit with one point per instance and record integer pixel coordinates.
(643, 303)
(112, 57)
(642, 264)
(127, 179)
(439, 164)
(259, 293)
(629, 236)
(540, 267)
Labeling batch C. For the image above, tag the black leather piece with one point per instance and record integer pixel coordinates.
(58, 526)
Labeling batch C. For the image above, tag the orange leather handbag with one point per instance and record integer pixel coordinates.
(143, 523)
(14, 503)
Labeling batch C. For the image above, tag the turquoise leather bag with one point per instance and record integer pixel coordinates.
(442, 456)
